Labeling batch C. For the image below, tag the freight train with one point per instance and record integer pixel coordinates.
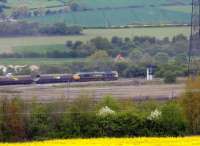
(51, 79)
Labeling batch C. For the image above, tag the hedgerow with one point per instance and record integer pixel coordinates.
(84, 118)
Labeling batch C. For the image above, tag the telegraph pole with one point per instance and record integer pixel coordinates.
(194, 46)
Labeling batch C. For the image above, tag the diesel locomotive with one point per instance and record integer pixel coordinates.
(51, 79)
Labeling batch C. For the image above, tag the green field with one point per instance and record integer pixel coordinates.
(92, 3)
(33, 3)
(43, 44)
(185, 9)
(106, 13)
(37, 61)
(41, 49)
(116, 17)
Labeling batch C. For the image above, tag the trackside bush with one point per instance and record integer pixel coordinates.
(173, 120)
(12, 124)
(38, 123)
(169, 122)
(81, 119)
(169, 77)
(191, 104)
(119, 125)
(110, 102)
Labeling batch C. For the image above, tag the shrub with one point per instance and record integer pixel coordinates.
(152, 128)
(12, 123)
(110, 102)
(78, 119)
(38, 123)
(118, 125)
(82, 104)
(105, 111)
(168, 121)
(82, 117)
(191, 104)
(1, 72)
(169, 77)
(172, 119)
(146, 107)
(128, 105)
(84, 125)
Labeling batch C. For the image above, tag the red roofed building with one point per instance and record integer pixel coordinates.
(119, 57)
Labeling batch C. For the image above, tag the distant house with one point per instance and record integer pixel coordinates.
(3, 68)
(8, 19)
(119, 57)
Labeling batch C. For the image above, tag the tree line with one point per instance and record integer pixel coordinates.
(136, 49)
(81, 118)
(10, 29)
(168, 55)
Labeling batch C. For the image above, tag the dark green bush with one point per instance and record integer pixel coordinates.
(12, 125)
(84, 125)
(173, 120)
(38, 123)
(169, 77)
(110, 102)
(81, 119)
(152, 128)
(170, 123)
(119, 125)
(191, 104)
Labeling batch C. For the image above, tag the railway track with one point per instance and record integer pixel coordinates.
(123, 89)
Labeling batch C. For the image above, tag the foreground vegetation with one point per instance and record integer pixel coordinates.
(85, 117)
(82, 118)
(187, 141)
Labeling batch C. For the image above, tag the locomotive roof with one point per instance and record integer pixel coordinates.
(96, 72)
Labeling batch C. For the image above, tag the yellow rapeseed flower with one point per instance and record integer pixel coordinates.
(186, 141)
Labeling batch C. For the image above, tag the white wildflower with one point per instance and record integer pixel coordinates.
(154, 115)
(104, 111)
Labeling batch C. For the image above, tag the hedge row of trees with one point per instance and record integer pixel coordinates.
(134, 48)
(81, 118)
(139, 49)
(98, 54)
(32, 29)
(101, 62)
(84, 117)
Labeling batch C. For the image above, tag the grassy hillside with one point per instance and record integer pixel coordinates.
(57, 43)
(33, 3)
(95, 3)
(185, 9)
(117, 17)
(106, 13)
(124, 3)
(42, 44)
